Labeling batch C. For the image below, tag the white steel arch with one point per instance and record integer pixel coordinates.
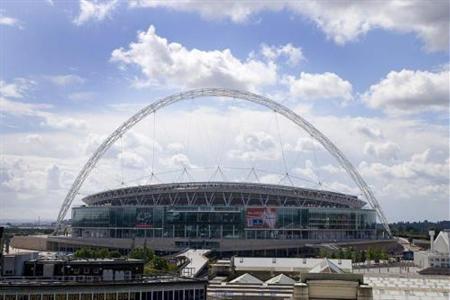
(226, 93)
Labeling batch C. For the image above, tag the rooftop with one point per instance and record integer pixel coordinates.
(222, 193)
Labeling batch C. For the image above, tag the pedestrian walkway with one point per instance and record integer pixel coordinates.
(197, 261)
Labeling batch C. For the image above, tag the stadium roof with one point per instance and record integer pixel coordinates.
(222, 194)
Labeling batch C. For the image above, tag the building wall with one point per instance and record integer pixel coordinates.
(224, 222)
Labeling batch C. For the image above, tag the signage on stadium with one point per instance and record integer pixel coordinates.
(261, 217)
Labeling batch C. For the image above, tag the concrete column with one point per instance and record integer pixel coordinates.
(364, 293)
(300, 292)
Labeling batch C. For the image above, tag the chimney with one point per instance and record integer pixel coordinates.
(431, 233)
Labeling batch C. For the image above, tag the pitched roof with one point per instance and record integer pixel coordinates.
(326, 266)
(246, 278)
(280, 279)
(442, 242)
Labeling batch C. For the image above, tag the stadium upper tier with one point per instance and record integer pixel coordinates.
(222, 194)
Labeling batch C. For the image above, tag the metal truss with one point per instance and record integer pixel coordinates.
(222, 194)
(226, 93)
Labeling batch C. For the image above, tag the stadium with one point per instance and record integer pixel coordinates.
(226, 216)
(221, 215)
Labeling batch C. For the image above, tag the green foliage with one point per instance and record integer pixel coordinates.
(142, 253)
(96, 253)
(356, 256)
(153, 263)
(115, 254)
(160, 263)
(84, 253)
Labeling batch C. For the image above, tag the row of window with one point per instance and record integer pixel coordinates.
(186, 294)
(223, 232)
(160, 217)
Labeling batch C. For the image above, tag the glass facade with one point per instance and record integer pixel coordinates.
(219, 222)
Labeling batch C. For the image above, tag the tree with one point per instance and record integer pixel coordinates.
(84, 253)
(370, 254)
(114, 254)
(363, 256)
(101, 253)
(142, 253)
(323, 252)
(160, 263)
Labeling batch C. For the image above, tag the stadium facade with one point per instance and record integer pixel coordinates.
(217, 214)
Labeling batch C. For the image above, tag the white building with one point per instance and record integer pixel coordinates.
(439, 254)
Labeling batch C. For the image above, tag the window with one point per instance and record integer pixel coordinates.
(86, 296)
(74, 297)
(157, 295)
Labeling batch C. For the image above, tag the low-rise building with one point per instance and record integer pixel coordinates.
(148, 288)
(439, 254)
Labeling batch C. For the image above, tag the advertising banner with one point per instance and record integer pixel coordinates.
(144, 217)
(261, 217)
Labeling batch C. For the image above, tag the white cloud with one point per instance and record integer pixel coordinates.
(163, 62)
(18, 108)
(64, 123)
(94, 10)
(131, 160)
(294, 55)
(53, 178)
(370, 132)
(33, 139)
(15, 89)
(38, 110)
(305, 144)
(418, 166)
(320, 86)
(341, 21)
(9, 21)
(177, 161)
(237, 11)
(410, 91)
(255, 146)
(65, 79)
(386, 151)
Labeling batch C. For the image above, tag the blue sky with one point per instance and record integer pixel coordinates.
(69, 76)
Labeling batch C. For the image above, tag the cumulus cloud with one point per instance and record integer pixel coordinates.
(15, 89)
(305, 144)
(65, 79)
(341, 21)
(418, 166)
(410, 91)
(131, 160)
(38, 111)
(94, 10)
(294, 55)
(177, 161)
(320, 86)
(386, 151)
(164, 62)
(370, 132)
(255, 146)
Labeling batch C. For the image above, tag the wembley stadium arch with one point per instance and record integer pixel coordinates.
(182, 212)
